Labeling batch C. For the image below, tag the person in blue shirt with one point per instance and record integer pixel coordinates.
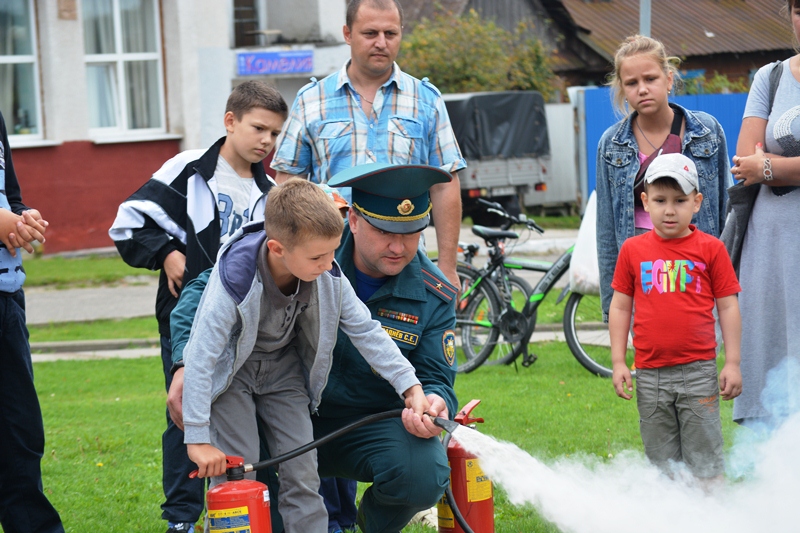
(23, 504)
(370, 111)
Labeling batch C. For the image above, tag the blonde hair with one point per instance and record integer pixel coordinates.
(298, 211)
(639, 45)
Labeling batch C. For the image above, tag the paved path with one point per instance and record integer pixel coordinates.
(136, 298)
(45, 305)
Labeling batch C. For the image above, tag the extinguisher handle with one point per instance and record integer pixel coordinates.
(231, 461)
(463, 417)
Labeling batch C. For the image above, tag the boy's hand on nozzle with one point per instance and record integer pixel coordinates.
(623, 381)
(416, 400)
(730, 382)
(423, 426)
(210, 461)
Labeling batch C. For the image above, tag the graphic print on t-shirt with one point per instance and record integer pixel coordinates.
(784, 136)
(229, 219)
(233, 199)
(678, 275)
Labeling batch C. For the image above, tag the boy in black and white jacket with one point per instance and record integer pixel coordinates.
(176, 223)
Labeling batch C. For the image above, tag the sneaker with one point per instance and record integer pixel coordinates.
(180, 527)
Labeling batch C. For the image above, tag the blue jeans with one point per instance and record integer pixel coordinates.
(340, 501)
(184, 496)
(23, 506)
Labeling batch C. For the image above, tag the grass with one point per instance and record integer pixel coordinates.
(62, 272)
(130, 328)
(553, 222)
(103, 422)
(547, 222)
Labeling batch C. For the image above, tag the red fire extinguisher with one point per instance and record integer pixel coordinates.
(472, 491)
(239, 504)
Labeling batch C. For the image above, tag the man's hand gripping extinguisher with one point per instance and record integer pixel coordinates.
(468, 504)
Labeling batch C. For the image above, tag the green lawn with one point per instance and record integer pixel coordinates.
(103, 422)
(128, 328)
(78, 272)
(103, 419)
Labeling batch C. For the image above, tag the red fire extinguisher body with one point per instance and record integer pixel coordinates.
(240, 506)
(472, 489)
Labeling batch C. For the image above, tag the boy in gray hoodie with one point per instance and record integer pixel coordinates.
(261, 346)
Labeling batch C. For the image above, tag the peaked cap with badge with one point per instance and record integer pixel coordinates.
(392, 198)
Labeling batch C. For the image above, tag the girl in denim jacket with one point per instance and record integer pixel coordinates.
(642, 80)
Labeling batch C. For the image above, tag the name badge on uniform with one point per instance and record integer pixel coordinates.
(403, 336)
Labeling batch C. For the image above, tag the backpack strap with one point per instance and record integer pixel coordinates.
(774, 80)
(677, 120)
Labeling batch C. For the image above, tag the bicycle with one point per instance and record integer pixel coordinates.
(491, 326)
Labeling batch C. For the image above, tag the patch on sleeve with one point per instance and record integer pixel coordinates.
(449, 346)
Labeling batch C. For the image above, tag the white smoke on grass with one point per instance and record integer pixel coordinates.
(628, 493)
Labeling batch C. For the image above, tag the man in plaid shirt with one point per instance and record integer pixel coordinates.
(370, 111)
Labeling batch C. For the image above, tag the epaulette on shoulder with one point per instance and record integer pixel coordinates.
(438, 285)
(307, 86)
(427, 83)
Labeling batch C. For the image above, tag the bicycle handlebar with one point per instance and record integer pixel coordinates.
(494, 207)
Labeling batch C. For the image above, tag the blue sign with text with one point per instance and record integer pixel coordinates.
(285, 62)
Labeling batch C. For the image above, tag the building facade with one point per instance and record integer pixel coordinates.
(97, 94)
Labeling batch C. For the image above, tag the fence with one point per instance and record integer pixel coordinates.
(596, 114)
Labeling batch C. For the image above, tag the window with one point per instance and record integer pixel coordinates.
(123, 65)
(19, 72)
(245, 23)
(249, 21)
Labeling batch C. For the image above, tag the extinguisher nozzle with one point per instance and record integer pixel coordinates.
(447, 425)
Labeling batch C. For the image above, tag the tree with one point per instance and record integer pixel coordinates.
(468, 54)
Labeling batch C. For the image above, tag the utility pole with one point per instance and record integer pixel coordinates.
(644, 18)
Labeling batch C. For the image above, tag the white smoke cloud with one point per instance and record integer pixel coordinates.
(627, 493)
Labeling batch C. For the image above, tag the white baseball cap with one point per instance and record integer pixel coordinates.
(675, 166)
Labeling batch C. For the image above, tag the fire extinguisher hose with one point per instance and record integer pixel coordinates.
(395, 413)
(448, 492)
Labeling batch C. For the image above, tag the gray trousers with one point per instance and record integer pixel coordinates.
(273, 388)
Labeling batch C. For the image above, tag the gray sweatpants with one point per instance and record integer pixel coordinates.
(273, 388)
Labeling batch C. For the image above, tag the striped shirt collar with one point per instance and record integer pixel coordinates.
(343, 79)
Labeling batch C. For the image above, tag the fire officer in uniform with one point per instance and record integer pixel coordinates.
(415, 303)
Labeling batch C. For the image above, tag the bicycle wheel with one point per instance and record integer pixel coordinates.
(477, 316)
(587, 335)
(514, 295)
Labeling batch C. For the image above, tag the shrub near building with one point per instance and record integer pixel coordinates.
(468, 54)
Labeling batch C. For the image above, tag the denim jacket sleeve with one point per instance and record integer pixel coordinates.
(725, 178)
(608, 219)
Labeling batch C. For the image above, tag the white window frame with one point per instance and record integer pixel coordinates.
(122, 130)
(33, 59)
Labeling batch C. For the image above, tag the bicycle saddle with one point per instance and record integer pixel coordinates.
(489, 233)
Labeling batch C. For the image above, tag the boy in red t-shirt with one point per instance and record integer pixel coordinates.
(674, 275)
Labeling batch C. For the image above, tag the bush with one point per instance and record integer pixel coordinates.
(718, 84)
(468, 54)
